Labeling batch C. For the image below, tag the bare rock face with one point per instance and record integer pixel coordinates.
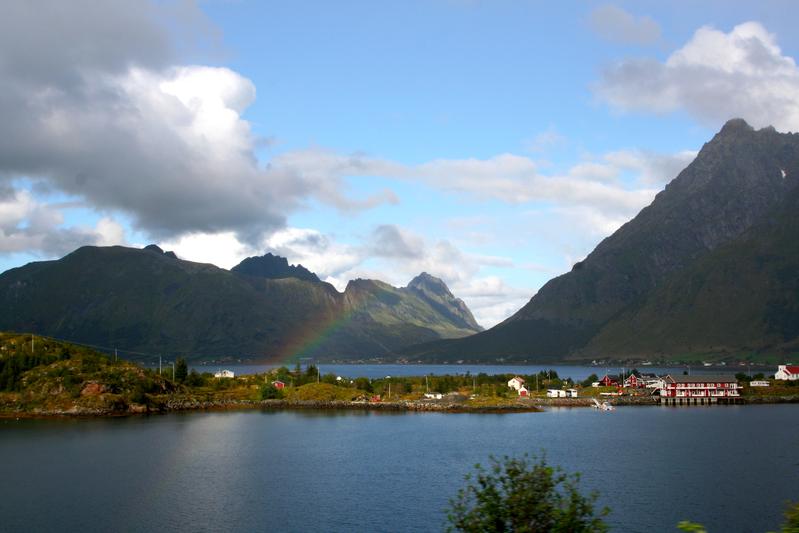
(92, 388)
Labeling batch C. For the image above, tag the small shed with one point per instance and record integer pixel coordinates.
(759, 383)
(556, 393)
(433, 395)
(571, 393)
(523, 391)
(278, 384)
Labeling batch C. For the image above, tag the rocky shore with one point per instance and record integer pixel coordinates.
(187, 404)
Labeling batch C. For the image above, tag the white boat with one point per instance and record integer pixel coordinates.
(604, 406)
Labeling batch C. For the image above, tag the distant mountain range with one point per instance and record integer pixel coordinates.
(149, 301)
(710, 269)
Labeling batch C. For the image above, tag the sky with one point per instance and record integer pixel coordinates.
(491, 143)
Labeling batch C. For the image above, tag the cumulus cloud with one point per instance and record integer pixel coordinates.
(617, 25)
(94, 106)
(715, 76)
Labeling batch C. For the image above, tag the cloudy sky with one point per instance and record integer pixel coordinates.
(490, 143)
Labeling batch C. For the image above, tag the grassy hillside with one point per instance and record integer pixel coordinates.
(47, 375)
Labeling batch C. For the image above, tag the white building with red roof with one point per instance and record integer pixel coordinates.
(516, 383)
(787, 372)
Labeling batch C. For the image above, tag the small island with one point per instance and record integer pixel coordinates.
(44, 377)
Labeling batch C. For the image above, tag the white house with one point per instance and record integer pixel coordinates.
(556, 393)
(516, 383)
(759, 383)
(787, 372)
(225, 374)
(433, 395)
(571, 393)
(523, 391)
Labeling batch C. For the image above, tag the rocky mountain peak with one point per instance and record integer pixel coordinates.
(425, 281)
(273, 267)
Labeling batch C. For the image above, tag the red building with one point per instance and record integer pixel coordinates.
(699, 389)
(610, 381)
(278, 385)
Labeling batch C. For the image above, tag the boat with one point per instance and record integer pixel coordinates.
(604, 406)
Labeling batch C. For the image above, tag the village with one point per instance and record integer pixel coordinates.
(670, 389)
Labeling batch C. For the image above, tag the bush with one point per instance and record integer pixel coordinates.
(523, 495)
(269, 392)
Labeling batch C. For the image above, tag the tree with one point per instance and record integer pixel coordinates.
(523, 495)
(270, 392)
(589, 380)
(181, 370)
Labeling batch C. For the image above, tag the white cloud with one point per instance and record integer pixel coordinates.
(715, 76)
(28, 225)
(617, 25)
(108, 118)
(490, 299)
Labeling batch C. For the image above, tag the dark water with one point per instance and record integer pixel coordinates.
(730, 468)
(576, 372)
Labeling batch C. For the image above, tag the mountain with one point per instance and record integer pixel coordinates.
(436, 293)
(273, 267)
(738, 180)
(151, 302)
(742, 298)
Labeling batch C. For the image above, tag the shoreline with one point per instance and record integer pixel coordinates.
(532, 405)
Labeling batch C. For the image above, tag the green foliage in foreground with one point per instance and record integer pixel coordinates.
(523, 495)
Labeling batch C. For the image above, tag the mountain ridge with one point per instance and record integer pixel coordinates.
(148, 301)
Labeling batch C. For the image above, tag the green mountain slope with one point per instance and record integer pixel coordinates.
(736, 182)
(151, 302)
(742, 298)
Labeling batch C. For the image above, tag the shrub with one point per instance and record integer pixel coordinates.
(523, 495)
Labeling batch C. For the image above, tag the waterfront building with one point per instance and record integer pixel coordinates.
(516, 383)
(556, 393)
(523, 391)
(787, 372)
(571, 393)
(433, 395)
(610, 381)
(699, 389)
(759, 383)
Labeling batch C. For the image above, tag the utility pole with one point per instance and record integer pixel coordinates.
(32, 337)
(159, 364)
(426, 385)
(173, 371)
(116, 358)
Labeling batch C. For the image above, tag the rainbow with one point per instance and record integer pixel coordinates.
(311, 335)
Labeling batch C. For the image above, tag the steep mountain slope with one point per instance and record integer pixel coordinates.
(436, 293)
(152, 302)
(741, 298)
(735, 182)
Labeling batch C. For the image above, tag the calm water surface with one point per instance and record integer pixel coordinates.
(576, 372)
(730, 468)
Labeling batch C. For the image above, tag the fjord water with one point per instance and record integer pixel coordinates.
(729, 467)
(576, 372)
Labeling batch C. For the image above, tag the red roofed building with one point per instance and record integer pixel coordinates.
(787, 372)
(699, 389)
(610, 381)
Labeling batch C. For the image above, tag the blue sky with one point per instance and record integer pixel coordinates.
(491, 143)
